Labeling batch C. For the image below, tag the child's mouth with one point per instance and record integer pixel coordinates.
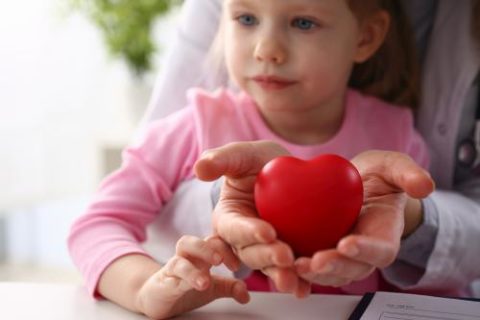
(268, 82)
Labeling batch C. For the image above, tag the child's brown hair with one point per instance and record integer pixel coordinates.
(392, 73)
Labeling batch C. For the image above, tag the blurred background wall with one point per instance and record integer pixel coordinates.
(66, 109)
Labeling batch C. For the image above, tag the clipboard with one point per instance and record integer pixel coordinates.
(392, 305)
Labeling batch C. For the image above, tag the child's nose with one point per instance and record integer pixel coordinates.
(270, 48)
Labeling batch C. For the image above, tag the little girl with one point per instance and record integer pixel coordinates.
(307, 72)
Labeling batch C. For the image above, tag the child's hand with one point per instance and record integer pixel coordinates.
(235, 218)
(185, 282)
(388, 178)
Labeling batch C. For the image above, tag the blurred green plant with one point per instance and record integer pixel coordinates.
(126, 26)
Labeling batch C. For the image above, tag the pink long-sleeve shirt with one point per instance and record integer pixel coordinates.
(153, 167)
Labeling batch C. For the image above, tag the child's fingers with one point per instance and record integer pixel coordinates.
(189, 275)
(176, 287)
(227, 287)
(229, 258)
(303, 289)
(198, 251)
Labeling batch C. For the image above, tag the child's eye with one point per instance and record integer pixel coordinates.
(303, 24)
(247, 20)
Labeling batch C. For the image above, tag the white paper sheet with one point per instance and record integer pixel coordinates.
(401, 306)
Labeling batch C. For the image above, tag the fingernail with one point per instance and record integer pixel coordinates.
(351, 251)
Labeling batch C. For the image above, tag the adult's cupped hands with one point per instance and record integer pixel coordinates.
(390, 179)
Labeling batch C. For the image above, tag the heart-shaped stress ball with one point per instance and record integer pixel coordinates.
(311, 204)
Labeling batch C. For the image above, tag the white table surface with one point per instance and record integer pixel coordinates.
(21, 301)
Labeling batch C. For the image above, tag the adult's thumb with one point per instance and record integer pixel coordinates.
(397, 169)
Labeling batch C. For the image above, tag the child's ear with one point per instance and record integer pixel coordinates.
(372, 35)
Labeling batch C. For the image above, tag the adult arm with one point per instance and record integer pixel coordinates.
(452, 264)
(452, 214)
(187, 64)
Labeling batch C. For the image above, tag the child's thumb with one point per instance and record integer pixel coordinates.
(229, 288)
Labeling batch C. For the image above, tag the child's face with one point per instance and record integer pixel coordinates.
(291, 54)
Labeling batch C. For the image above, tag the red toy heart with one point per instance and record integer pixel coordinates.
(311, 204)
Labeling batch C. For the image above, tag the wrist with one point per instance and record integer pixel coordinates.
(138, 301)
(141, 286)
(124, 278)
(413, 216)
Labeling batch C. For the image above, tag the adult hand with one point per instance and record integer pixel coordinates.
(391, 180)
(184, 283)
(235, 218)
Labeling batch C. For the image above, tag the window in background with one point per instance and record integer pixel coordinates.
(64, 106)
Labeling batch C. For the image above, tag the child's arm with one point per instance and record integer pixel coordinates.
(140, 284)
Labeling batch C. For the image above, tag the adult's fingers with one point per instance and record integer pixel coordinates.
(378, 233)
(260, 256)
(397, 169)
(329, 268)
(332, 263)
(286, 280)
(239, 159)
(240, 230)
(368, 250)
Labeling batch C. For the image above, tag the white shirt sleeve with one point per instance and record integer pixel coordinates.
(186, 62)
